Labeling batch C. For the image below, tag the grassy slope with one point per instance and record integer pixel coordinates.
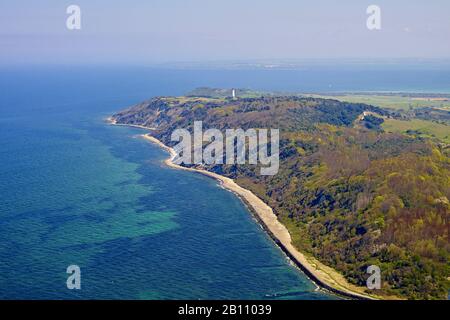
(423, 128)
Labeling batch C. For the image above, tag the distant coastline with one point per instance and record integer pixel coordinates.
(322, 275)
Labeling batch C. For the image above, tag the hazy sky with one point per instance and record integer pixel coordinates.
(153, 31)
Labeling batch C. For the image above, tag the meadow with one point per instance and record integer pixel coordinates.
(423, 128)
(391, 101)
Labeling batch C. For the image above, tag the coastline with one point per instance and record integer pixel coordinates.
(323, 276)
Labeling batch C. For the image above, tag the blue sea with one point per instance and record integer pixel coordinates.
(76, 191)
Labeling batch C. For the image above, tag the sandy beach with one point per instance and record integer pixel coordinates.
(324, 276)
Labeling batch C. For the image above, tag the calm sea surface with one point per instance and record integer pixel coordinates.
(74, 190)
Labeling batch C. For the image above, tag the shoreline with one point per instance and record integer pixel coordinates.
(323, 276)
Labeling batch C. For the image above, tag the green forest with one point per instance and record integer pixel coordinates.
(350, 193)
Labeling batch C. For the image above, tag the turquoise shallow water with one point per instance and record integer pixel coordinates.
(75, 190)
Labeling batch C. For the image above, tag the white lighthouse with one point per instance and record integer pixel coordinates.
(233, 93)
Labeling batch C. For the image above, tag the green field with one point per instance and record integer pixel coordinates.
(398, 102)
(423, 128)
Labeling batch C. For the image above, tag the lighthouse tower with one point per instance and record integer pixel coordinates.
(233, 93)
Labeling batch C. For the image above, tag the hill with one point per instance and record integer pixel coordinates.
(350, 194)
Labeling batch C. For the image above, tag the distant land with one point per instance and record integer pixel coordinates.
(364, 177)
(305, 64)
